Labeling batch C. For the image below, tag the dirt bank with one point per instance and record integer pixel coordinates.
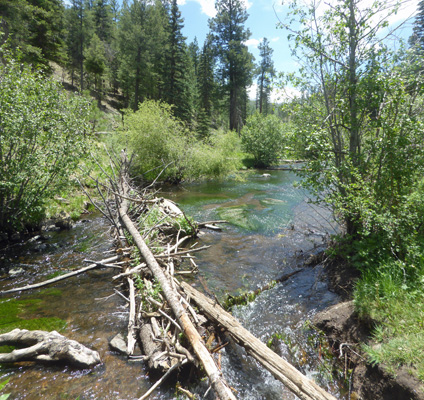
(346, 331)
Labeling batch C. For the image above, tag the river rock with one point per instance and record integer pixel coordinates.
(118, 344)
(64, 221)
(266, 175)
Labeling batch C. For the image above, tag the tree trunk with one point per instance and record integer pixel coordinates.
(172, 297)
(299, 384)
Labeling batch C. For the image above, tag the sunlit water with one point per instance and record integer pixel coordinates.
(272, 231)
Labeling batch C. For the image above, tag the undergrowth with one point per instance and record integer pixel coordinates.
(390, 292)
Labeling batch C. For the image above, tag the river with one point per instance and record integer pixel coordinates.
(272, 231)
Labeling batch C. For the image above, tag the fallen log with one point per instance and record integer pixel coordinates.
(46, 346)
(172, 297)
(61, 277)
(294, 380)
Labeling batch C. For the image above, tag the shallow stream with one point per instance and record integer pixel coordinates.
(272, 231)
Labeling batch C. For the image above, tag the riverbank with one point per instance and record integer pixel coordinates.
(348, 332)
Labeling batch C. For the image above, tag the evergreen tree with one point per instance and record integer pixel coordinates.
(36, 27)
(206, 83)
(194, 53)
(236, 66)
(103, 20)
(133, 50)
(115, 9)
(79, 32)
(157, 33)
(265, 73)
(416, 40)
(95, 63)
(176, 91)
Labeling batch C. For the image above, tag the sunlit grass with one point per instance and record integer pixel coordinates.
(396, 304)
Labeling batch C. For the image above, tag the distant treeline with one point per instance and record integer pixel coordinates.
(130, 51)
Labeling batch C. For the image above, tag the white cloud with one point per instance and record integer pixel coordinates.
(252, 42)
(208, 6)
(275, 39)
(277, 95)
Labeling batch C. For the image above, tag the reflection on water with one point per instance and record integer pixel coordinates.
(272, 229)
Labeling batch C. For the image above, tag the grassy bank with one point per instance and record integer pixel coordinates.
(390, 293)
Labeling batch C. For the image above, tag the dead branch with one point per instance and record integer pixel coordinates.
(46, 346)
(59, 278)
(222, 391)
(182, 252)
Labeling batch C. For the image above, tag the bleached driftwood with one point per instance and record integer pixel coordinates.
(172, 297)
(61, 277)
(294, 380)
(46, 346)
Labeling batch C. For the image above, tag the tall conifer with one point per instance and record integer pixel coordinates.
(230, 34)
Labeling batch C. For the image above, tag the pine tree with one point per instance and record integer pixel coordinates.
(75, 38)
(95, 63)
(206, 84)
(36, 27)
(265, 73)
(103, 20)
(417, 38)
(176, 90)
(133, 51)
(236, 65)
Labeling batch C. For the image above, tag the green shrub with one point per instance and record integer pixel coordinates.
(157, 139)
(43, 138)
(217, 157)
(263, 137)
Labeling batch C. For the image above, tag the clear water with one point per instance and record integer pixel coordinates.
(272, 231)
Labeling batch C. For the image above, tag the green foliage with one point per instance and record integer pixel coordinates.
(262, 136)
(43, 139)
(236, 63)
(36, 28)
(395, 301)
(218, 156)
(148, 289)
(187, 224)
(158, 139)
(2, 385)
(265, 72)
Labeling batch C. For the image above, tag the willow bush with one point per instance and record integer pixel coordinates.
(263, 137)
(160, 142)
(43, 138)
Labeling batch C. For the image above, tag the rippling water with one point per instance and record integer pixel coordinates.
(272, 230)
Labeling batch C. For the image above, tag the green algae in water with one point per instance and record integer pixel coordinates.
(272, 202)
(236, 215)
(11, 316)
(55, 274)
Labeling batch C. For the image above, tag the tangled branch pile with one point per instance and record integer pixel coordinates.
(161, 319)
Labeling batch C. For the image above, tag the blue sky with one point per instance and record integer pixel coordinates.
(262, 22)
